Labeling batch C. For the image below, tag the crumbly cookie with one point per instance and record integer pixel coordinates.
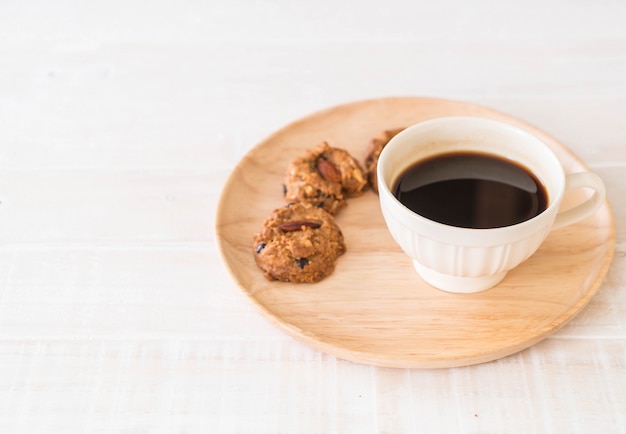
(298, 243)
(324, 177)
(376, 147)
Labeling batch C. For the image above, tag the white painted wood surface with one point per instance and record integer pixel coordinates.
(119, 123)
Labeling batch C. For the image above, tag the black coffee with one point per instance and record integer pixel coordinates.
(471, 190)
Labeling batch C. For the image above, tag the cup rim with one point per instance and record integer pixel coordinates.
(385, 191)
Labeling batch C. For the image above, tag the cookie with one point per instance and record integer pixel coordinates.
(298, 243)
(371, 160)
(324, 177)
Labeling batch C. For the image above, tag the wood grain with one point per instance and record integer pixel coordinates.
(374, 309)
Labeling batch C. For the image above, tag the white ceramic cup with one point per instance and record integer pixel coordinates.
(458, 259)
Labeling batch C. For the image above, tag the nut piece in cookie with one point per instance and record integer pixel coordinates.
(298, 243)
(324, 177)
(376, 147)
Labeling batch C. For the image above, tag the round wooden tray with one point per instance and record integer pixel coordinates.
(374, 308)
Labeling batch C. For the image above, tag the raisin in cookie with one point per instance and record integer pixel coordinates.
(298, 243)
(371, 160)
(324, 177)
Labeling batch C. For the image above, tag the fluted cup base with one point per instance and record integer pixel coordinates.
(457, 284)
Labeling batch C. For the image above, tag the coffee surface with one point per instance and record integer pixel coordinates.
(471, 190)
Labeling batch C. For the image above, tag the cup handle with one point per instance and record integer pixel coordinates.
(579, 212)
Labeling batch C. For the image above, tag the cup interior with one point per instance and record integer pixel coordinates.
(460, 134)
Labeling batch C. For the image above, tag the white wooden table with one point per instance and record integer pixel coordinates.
(119, 124)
